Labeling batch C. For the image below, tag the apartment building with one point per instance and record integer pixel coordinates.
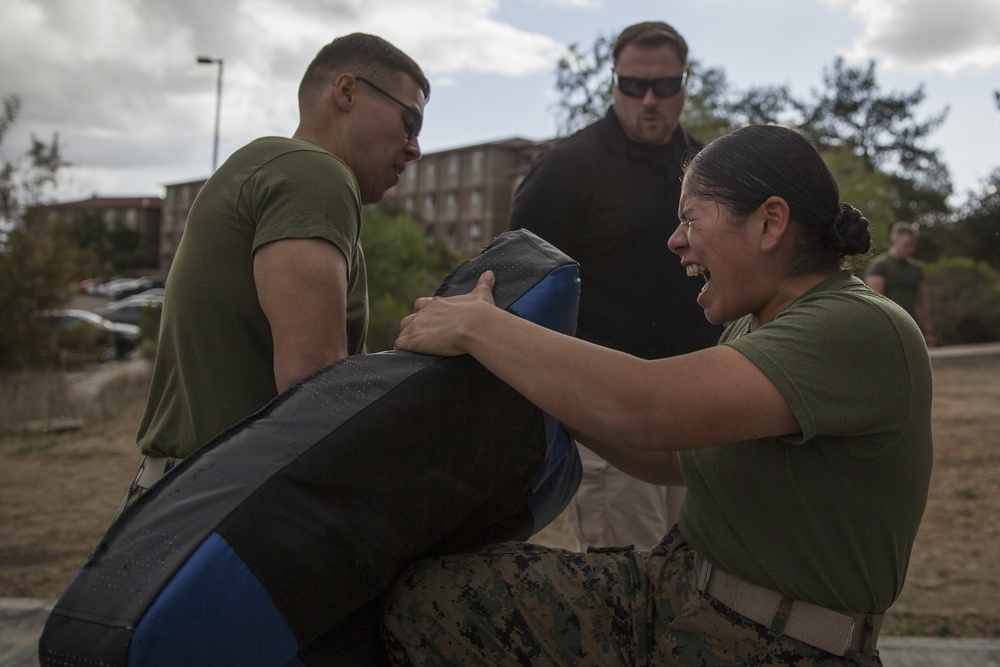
(176, 206)
(139, 214)
(462, 196)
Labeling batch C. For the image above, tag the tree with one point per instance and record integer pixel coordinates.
(23, 182)
(583, 80)
(38, 262)
(853, 112)
(401, 267)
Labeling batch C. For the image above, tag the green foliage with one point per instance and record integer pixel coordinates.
(706, 115)
(978, 222)
(583, 80)
(852, 111)
(402, 266)
(38, 262)
(965, 300)
(36, 271)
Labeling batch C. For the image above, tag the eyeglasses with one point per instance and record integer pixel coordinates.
(664, 87)
(412, 129)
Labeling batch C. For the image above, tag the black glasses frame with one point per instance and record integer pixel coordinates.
(413, 129)
(664, 87)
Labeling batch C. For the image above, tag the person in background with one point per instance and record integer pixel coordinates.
(606, 196)
(804, 438)
(897, 275)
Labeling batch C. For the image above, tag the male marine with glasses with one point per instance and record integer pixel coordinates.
(607, 196)
(269, 284)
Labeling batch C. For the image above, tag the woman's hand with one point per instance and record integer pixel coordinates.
(438, 324)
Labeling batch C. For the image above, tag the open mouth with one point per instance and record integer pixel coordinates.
(698, 270)
(694, 270)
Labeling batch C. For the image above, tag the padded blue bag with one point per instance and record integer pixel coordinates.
(271, 544)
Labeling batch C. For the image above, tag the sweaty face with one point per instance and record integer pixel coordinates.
(649, 119)
(381, 136)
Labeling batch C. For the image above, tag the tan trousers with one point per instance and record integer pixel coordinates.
(613, 509)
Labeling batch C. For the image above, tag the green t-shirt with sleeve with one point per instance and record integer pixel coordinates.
(829, 515)
(215, 358)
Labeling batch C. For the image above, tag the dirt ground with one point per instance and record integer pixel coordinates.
(58, 492)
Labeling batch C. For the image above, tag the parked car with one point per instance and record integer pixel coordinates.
(86, 335)
(153, 295)
(103, 285)
(118, 290)
(130, 309)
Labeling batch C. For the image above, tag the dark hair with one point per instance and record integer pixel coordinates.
(364, 55)
(650, 34)
(740, 170)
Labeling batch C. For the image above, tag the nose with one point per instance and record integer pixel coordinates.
(648, 98)
(412, 149)
(678, 240)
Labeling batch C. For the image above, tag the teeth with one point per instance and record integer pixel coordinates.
(695, 270)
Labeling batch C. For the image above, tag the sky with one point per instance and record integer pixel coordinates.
(119, 82)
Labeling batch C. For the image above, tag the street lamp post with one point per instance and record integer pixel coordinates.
(207, 60)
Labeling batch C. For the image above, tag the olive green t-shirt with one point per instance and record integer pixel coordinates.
(828, 515)
(215, 358)
(902, 279)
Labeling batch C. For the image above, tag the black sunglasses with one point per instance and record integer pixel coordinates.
(667, 86)
(412, 129)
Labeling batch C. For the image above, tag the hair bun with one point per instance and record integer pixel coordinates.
(849, 234)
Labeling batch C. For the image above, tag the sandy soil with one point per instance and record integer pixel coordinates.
(59, 491)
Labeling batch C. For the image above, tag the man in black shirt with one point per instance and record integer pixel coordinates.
(607, 196)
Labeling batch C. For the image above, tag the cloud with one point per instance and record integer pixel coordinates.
(927, 35)
(117, 79)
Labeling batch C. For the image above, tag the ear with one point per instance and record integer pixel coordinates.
(343, 92)
(774, 221)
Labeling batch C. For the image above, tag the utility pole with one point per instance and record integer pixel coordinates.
(207, 60)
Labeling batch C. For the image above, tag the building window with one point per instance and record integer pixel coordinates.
(477, 161)
(475, 197)
(408, 204)
(453, 165)
(475, 231)
(429, 201)
(429, 170)
(131, 218)
(411, 173)
(452, 199)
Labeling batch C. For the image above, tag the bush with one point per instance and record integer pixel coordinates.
(965, 300)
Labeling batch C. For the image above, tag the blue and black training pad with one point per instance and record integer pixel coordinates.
(283, 527)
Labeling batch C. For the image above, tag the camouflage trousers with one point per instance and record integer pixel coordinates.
(522, 604)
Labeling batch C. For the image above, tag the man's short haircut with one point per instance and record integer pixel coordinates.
(903, 228)
(362, 55)
(651, 34)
